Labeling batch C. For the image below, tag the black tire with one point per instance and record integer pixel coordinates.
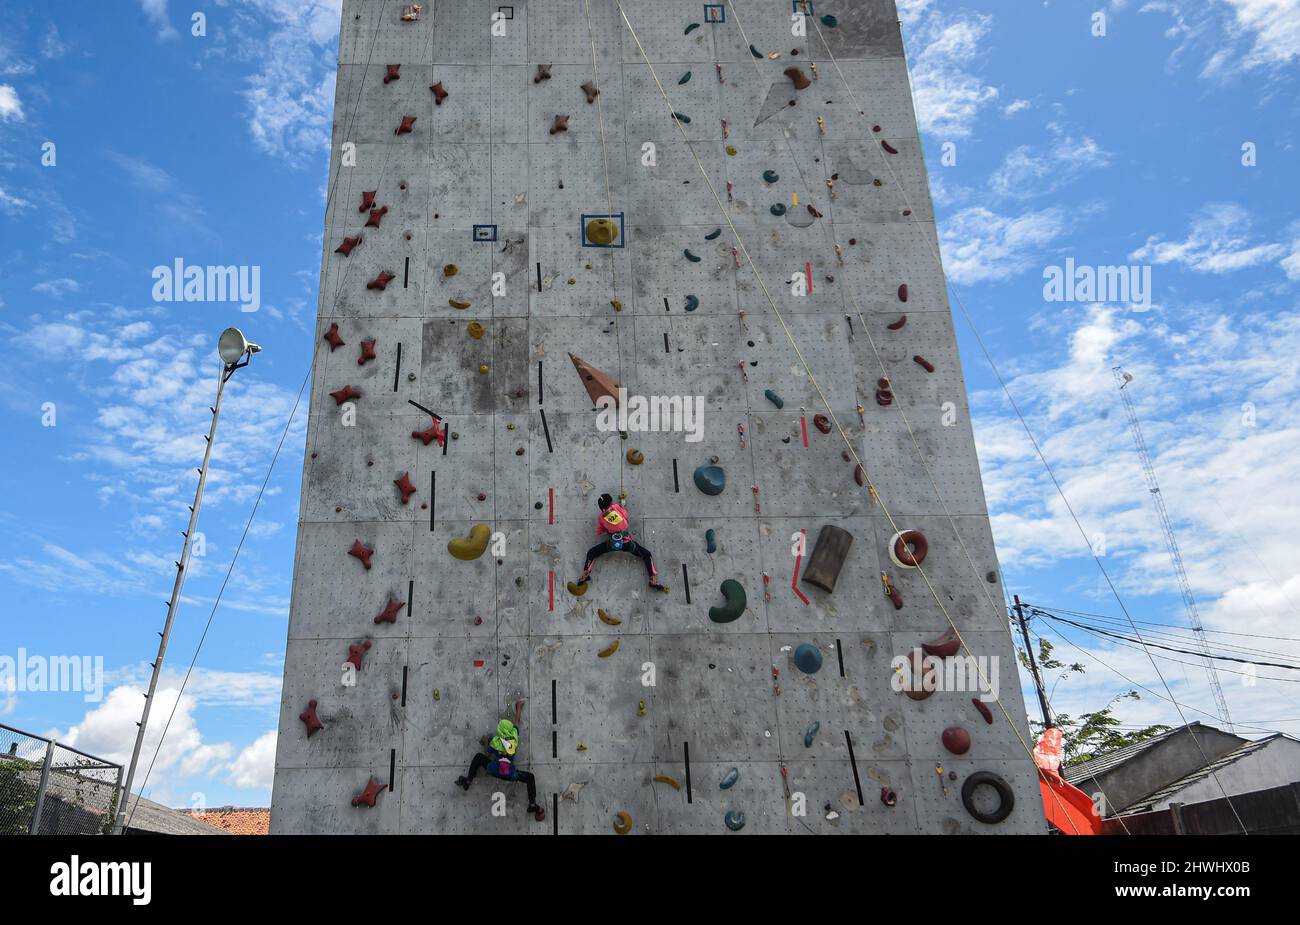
(1006, 799)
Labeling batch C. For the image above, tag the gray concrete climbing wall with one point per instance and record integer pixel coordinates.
(525, 457)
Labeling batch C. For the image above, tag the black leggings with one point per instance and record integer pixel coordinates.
(629, 546)
(526, 778)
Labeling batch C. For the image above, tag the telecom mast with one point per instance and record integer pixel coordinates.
(1189, 602)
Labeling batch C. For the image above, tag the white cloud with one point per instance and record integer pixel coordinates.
(254, 769)
(1273, 29)
(948, 96)
(11, 107)
(156, 12)
(57, 288)
(1219, 241)
(980, 245)
(1015, 106)
(11, 204)
(1029, 171)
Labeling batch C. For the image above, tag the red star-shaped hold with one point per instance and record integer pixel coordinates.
(433, 432)
(362, 552)
(367, 352)
(367, 200)
(439, 93)
(332, 337)
(405, 487)
(393, 73)
(381, 281)
(390, 612)
(357, 651)
(309, 717)
(405, 127)
(368, 796)
(347, 393)
(376, 215)
(346, 247)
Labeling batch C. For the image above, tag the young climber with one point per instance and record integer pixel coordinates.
(612, 526)
(498, 759)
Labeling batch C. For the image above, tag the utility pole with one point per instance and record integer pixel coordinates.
(1033, 665)
(233, 348)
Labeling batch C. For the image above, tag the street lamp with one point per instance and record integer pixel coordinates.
(235, 351)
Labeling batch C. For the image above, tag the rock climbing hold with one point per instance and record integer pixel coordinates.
(608, 650)
(368, 796)
(475, 330)
(561, 124)
(381, 281)
(798, 78)
(433, 432)
(635, 457)
(367, 352)
(815, 214)
(710, 541)
(777, 209)
(945, 646)
(362, 552)
(923, 363)
(622, 823)
(356, 652)
(774, 398)
(908, 548)
(394, 72)
(577, 590)
(1006, 798)
(670, 781)
(389, 613)
(828, 557)
(771, 176)
(602, 231)
(404, 486)
(902, 293)
(755, 52)
(439, 93)
(682, 118)
(685, 78)
(710, 479)
(888, 796)
(731, 152)
(984, 710)
(734, 820)
(332, 337)
(956, 740)
(618, 306)
(735, 603)
(884, 397)
(888, 147)
(922, 676)
(367, 200)
(689, 256)
(468, 548)
(811, 733)
(808, 658)
(309, 717)
(404, 128)
(729, 779)
(606, 618)
(347, 393)
(713, 234)
(692, 303)
(822, 423)
(450, 269)
(599, 385)
(591, 90)
(346, 247)
(829, 21)
(543, 73)
(859, 474)
(483, 370)
(458, 303)
(691, 28)
(898, 325)
(376, 216)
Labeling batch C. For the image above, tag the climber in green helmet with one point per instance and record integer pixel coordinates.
(498, 758)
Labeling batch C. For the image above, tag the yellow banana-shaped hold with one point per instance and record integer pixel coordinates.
(610, 650)
(606, 618)
(577, 590)
(622, 823)
(670, 781)
(468, 548)
(457, 303)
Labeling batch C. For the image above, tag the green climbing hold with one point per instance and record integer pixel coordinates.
(691, 257)
(811, 733)
(771, 176)
(682, 118)
(829, 21)
(691, 28)
(735, 605)
(713, 234)
(777, 209)
(710, 541)
(755, 52)
(685, 78)
(734, 820)
(710, 479)
(729, 779)
(774, 398)
(692, 303)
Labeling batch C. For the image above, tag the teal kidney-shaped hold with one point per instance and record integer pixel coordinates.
(710, 479)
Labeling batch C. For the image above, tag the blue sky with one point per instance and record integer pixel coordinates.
(1117, 149)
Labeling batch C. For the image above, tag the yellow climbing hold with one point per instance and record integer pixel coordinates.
(670, 781)
(571, 281)
(618, 306)
(606, 618)
(483, 369)
(475, 330)
(640, 709)
(622, 823)
(457, 303)
(731, 150)
(608, 650)
(468, 548)
(602, 231)
(635, 457)
(450, 269)
(577, 590)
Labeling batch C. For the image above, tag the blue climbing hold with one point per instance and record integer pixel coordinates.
(777, 209)
(710, 541)
(730, 779)
(774, 398)
(710, 479)
(692, 303)
(810, 734)
(713, 234)
(808, 658)
(734, 820)
(829, 21)
(770, 176)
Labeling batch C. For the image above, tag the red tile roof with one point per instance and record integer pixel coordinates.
(237, 821)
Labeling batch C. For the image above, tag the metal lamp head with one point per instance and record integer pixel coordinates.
(232, 346)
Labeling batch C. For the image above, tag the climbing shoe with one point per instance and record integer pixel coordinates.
(538, 812)
(463, 782)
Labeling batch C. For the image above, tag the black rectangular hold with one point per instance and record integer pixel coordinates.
(839, 650)
(677, 485)
(392, 768)
(857, 782)
(406, 274)
(555, 814)
(405, 671)
(539, 277)
(555, 743)
(546, 430)
(823, 568)
(553, 713)
(410, 598)
(666, 308)
(433, 497)
(686, 583)
(666, 342)
(397, 370)
(539, 382)
(686, 758)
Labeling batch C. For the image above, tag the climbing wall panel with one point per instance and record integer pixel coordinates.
(458, 276)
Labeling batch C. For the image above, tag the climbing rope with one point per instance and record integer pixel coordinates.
(809, 372)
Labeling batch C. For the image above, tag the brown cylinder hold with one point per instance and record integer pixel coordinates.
(828, 557)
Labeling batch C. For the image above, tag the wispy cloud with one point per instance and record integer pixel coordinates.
(11, 107)
(1220, 240)
(945, 49)
(980, 245)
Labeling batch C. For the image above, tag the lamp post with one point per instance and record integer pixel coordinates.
(235, 352)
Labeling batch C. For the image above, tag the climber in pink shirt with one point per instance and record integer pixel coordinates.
(612, 527)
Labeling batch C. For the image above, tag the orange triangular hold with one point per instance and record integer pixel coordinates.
(598, 384)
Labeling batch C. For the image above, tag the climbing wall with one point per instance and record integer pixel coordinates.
(446, 412)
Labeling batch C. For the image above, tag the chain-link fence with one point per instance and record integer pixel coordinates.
(51, 789)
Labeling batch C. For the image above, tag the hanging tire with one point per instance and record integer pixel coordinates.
(1006, 799)
(907, 548)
